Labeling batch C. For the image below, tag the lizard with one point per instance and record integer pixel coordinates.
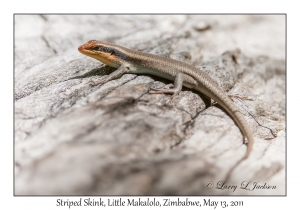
(183, 74)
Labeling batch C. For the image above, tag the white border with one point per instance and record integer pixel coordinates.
(8, 201)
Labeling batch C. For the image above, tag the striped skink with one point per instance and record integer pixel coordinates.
(131, 61)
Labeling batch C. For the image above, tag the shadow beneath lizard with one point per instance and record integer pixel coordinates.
(99, 71)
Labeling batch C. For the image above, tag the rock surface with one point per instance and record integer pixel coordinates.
(117, 138)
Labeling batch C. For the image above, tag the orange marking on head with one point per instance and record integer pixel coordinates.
(93, 49)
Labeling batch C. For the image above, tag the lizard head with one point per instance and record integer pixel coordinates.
(105, 52)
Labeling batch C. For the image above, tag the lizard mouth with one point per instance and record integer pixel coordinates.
(81, 48)
(85, 50)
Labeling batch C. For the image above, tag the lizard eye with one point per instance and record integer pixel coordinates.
(112, 52)
(96, 48)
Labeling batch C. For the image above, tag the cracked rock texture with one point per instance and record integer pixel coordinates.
(117, 138)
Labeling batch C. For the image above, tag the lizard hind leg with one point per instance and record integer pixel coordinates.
(178, 82)
(114, 75)
(239, 97)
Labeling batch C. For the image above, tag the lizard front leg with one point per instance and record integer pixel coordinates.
(114, 75)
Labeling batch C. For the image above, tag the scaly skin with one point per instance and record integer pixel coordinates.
(130, 61)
